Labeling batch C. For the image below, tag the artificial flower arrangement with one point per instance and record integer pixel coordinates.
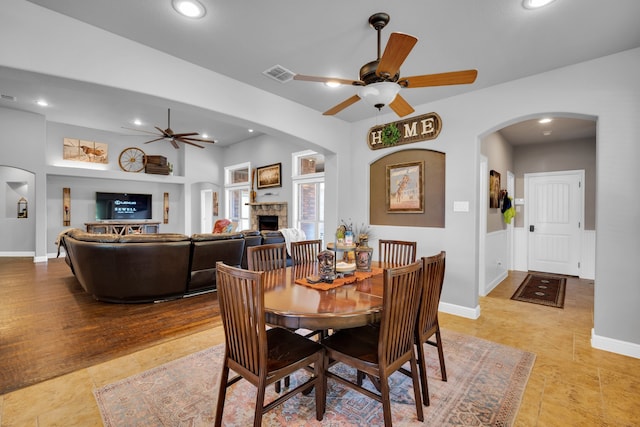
(358, 235)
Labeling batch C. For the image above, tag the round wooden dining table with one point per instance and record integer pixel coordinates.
(296, 306)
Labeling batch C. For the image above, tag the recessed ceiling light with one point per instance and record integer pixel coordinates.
(204, 135)
(250, 130)
(189, 8)
(545, 120)
(534, 4)
(42, 103)
(137, 122)
(546, 133)
(332, 84)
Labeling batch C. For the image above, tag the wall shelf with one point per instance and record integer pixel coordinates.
(111, 174)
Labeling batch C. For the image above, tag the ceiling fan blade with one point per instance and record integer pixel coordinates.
(441, 79)
(174, 143)
(328, 80)
(197, 139)
(154, 140)
(166, 132)
(180, 135)
(398, 48)
(189, 142)
(401, 106)
(342, 106)
(140, 130)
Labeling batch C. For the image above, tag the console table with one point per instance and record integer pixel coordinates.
(123, 228)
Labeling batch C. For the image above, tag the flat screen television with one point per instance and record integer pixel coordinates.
(122, 206)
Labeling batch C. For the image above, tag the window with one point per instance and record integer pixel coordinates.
(308, 193)
(237, 194)
(307, 163)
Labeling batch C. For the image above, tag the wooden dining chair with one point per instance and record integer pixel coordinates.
(305, 251)
(427, 325)
(380, 351)
(267, 257)
(396, 252)
(256, 354)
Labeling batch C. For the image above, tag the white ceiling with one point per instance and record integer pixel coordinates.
(241, 39)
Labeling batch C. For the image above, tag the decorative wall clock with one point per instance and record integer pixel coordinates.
(132, 159)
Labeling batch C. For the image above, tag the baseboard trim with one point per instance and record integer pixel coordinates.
(495, 283)
(615, 346)
(458, 310)
(17, 254)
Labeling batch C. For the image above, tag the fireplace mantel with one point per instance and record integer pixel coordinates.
(266, 203)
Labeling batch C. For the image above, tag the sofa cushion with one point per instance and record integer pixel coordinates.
(152, 238)
(205, 254)
(204, 237)
(92, 237)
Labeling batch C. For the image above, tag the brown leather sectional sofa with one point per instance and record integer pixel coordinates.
(153, 267)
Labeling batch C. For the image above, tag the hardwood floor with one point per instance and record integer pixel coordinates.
(49, 326)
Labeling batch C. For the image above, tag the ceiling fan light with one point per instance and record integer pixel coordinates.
(189, 8)
(534, 4)
(379, 94)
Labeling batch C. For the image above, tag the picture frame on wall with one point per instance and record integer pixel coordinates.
(85, 151)
(405, 187)
(269, 176)
(494, 189)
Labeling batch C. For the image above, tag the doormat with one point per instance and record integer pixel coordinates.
(542, 289)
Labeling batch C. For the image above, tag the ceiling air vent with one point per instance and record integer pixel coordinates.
(8, 97)
(279, 73)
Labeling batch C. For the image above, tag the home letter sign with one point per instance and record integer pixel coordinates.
(407, 131)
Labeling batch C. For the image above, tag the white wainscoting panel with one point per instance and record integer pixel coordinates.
(496, 260)
(520, 249)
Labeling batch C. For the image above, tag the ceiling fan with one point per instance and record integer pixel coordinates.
(380, 80)
(174, 138)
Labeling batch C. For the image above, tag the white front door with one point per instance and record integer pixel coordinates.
(554, 204)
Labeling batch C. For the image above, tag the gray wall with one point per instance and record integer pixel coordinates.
(560, 156)
(500, 157)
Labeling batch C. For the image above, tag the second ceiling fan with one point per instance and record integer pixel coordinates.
(174, 138)
(380, 80)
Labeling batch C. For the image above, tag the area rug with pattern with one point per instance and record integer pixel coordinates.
(485, 385)
(542, 289)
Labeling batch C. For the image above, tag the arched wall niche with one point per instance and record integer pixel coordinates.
(17, 228)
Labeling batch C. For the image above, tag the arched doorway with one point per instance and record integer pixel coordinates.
(525, 146)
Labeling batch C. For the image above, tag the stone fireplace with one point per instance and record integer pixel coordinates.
(271, 210)
(267, 222)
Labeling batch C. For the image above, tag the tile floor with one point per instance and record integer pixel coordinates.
(571, 383)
